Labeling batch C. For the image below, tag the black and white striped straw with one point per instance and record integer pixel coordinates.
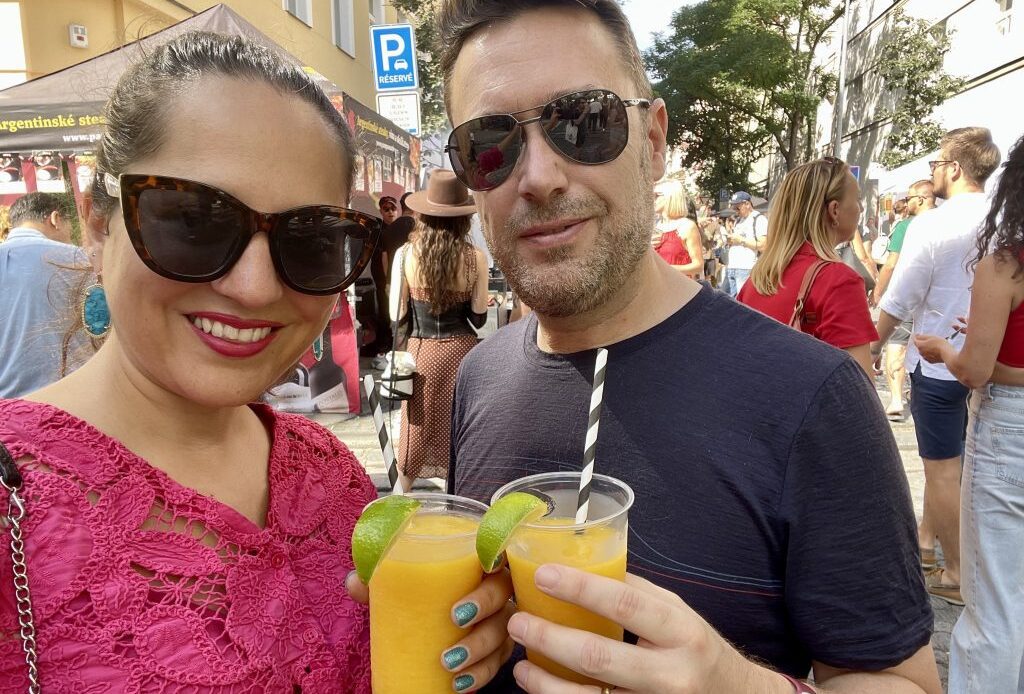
(590, 447)
(382, 435)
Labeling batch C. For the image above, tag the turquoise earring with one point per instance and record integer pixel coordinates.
(318, 347)
(95, 312)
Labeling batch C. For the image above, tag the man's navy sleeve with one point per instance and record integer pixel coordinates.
(846, 493)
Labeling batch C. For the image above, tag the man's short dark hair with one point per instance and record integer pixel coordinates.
(458, 20)
(34, 207)
(974, 150)
(405, 208)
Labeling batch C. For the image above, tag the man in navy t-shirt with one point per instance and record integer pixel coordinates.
(772, 521)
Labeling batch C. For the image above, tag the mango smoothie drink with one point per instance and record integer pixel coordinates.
(432, 564)
(597, 546)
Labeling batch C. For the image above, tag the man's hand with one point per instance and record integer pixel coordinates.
(933, 349)
(678, 652)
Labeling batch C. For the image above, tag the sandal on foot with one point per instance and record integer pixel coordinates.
(944, 591)
(928, 559)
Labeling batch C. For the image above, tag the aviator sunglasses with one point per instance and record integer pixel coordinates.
(192, 232)
(586, 127)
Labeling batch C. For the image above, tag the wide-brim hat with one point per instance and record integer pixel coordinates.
(444, 196)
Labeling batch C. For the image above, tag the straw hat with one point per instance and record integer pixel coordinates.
(445, 196)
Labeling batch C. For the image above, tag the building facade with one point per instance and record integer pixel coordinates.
(987, 51)
(332, 36)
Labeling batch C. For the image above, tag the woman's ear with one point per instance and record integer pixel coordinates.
(832, 212)
(96, 232)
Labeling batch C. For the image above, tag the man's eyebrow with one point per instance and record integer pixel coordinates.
(548, 98)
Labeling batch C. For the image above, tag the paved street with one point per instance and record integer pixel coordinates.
(358, 433)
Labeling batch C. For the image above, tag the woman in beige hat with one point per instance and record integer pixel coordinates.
(444, 288)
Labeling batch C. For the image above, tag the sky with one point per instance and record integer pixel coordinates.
(648, 16)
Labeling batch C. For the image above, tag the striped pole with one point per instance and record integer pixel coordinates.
(590, 447)
(382, 435)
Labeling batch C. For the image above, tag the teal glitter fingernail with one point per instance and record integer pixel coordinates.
(464, 682)
(466, 613)
(455, 657)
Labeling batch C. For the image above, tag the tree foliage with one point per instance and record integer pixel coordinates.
(738, 77)
(424, 14)
(911, 65)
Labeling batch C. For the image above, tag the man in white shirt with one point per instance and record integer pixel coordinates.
(932, 285)
(745, 242)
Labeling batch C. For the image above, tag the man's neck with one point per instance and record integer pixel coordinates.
(962, 187)
(654, 292)
(46, 230)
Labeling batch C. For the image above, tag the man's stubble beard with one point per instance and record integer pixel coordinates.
(564, 285)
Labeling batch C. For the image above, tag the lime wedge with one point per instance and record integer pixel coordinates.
(377, 529)
(501, 520)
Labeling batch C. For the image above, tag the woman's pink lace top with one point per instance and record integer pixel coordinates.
(142, 585)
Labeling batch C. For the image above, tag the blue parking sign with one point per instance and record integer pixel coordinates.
(855, 170)
(394, 57)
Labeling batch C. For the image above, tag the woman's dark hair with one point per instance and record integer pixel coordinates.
(1002, 234)
(439, 244)
(137, 110)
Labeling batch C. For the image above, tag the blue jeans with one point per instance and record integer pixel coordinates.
(734, 280)
(987, 648)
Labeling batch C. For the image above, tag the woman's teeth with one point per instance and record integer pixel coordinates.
(228, 332)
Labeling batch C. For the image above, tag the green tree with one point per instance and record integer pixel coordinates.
(423, 14)
(911, 65)
(738, 77)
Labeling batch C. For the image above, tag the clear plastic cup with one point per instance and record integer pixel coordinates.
(597, 545)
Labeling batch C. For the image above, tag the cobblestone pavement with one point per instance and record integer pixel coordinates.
(359, 434)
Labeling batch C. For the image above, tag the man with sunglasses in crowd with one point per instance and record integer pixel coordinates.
(921, 199)
(932, 286)
(773, 523)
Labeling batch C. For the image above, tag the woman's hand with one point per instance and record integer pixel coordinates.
(484, 615)
(678, 652)
(933, 349)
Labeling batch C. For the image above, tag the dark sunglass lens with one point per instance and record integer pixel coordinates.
(588, 127)
(319, 247)
(485, 150)
(189, 233)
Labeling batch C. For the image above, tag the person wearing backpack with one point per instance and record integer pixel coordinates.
(745, 242)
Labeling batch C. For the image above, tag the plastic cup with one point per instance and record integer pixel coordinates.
(432, 564)
(597, 546)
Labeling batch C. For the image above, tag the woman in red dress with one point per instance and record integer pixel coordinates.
(815, 209)
(677, 238)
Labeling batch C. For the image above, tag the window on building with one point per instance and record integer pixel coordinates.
(12, 48)
(1005, 17)
(301, 10)
(342, 29)
(376, 11)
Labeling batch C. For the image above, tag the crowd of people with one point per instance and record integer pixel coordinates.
(179, 531)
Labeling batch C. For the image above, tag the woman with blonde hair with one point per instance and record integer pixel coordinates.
(677, 238)
(799, 279)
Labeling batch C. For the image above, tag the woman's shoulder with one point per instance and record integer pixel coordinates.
(60, 442)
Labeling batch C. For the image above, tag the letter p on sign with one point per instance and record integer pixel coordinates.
(392, 46)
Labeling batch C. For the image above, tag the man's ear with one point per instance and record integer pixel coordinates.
(96, 232)
(55, 219)
(657, 133)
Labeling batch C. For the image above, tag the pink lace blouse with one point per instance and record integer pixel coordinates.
(142, 585)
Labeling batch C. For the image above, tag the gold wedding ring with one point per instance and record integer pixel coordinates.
(607, 690)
